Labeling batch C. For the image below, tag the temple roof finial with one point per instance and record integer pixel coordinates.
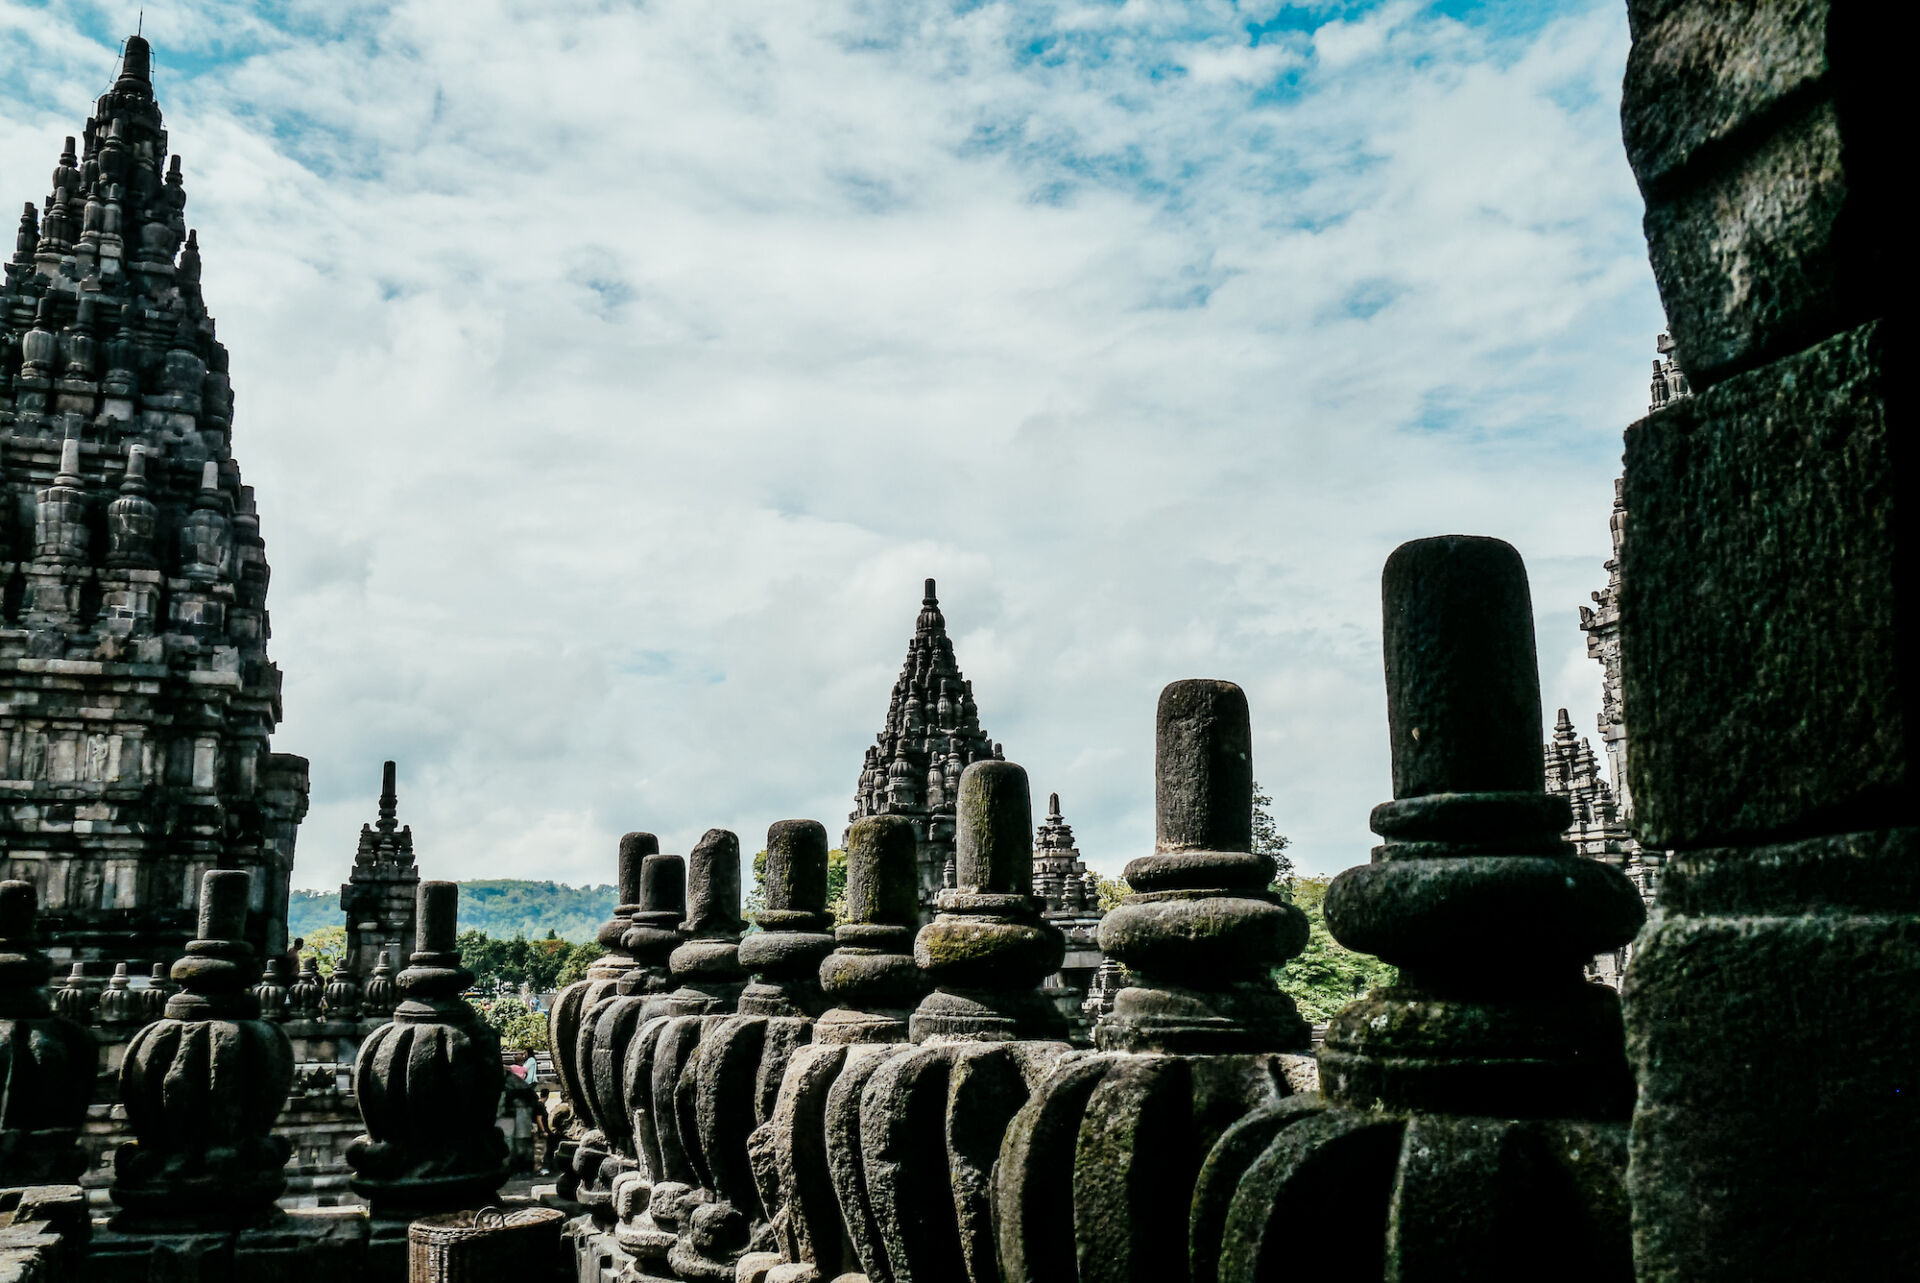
(136, 66)
(389, 799)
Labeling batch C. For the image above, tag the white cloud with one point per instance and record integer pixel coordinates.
(612, 375)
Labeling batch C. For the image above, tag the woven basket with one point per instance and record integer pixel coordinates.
(491, 1245)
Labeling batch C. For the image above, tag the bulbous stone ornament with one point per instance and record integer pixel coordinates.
(118, 1003)
(1110, 1148)
(307, 994)
(73, 999)
(271, 992)
(567, 1026)
(153, 999)
(931, 1116)
(428, 1084)
(382, 995)
(742, 1057)
(676, 1220)
(872, 983)
(611, 1023)
(203, 1085)
(571, 1025)
(1473, 1121)
(342, 996)
(47, 1062)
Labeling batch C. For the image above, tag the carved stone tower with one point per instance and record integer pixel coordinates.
(136, 696)
(932, 734)
(379, 895)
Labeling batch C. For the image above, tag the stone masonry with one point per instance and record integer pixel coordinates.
(136, 695)
(932, 734)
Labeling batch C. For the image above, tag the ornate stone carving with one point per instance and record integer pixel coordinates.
(1473, 1113)
(307, 993)
(381, 993)
(872, 981)
(676, 1220)
(611, 1023)
(1197, 1044)
(118, 1003)
(743, 1057)
(571, 1022)
(378, 897)
(47, 1062)
(153, 998)
(203, 1085)
(932, 1115)
(428, 1084)
(271, 992)
(112, 423)
(932, 733)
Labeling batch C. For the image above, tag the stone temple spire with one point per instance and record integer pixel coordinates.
(380, 895)
(135, 685)
(932, 734)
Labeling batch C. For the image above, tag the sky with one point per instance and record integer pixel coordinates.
(611, 374)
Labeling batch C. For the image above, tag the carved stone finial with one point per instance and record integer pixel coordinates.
(570, 1023)
(428, 1084)
(154, 996)
(1473, 889)
(381, 993)
(389, 798)
(203, 1085)
(1492, 1075)
(871, 978)
(989, 947)
(707, 966)
(1201, 932)
(50, 1062)
(118, 1006)
(784, 956)
(271, 992)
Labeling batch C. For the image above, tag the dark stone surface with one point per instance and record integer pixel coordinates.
(428, 1084)
(570, 1024)
(989, 947)
(1762, 136)
(47, 1063)
(1463, 686)
(1471, 1118)
(1767, 548)
(1771, 1015)
(203, 1086)
(1201, 932)
(1097, 1172)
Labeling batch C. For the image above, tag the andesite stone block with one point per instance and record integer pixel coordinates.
(1765, 515)
(1760, 134)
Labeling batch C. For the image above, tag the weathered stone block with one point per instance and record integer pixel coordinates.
(1760, 601)
(1778, 1130)
(1758, 133)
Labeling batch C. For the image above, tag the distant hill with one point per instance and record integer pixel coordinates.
(501, 907)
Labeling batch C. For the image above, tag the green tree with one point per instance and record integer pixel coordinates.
(1327, 975)
(1112, 890)
(579, 958)
(520, 1027)
(326, 947)
(1269, 841)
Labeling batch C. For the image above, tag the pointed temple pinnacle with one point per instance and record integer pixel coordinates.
(389, 799)
(136, 65)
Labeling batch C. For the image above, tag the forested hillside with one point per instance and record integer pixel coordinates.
(501, 907)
